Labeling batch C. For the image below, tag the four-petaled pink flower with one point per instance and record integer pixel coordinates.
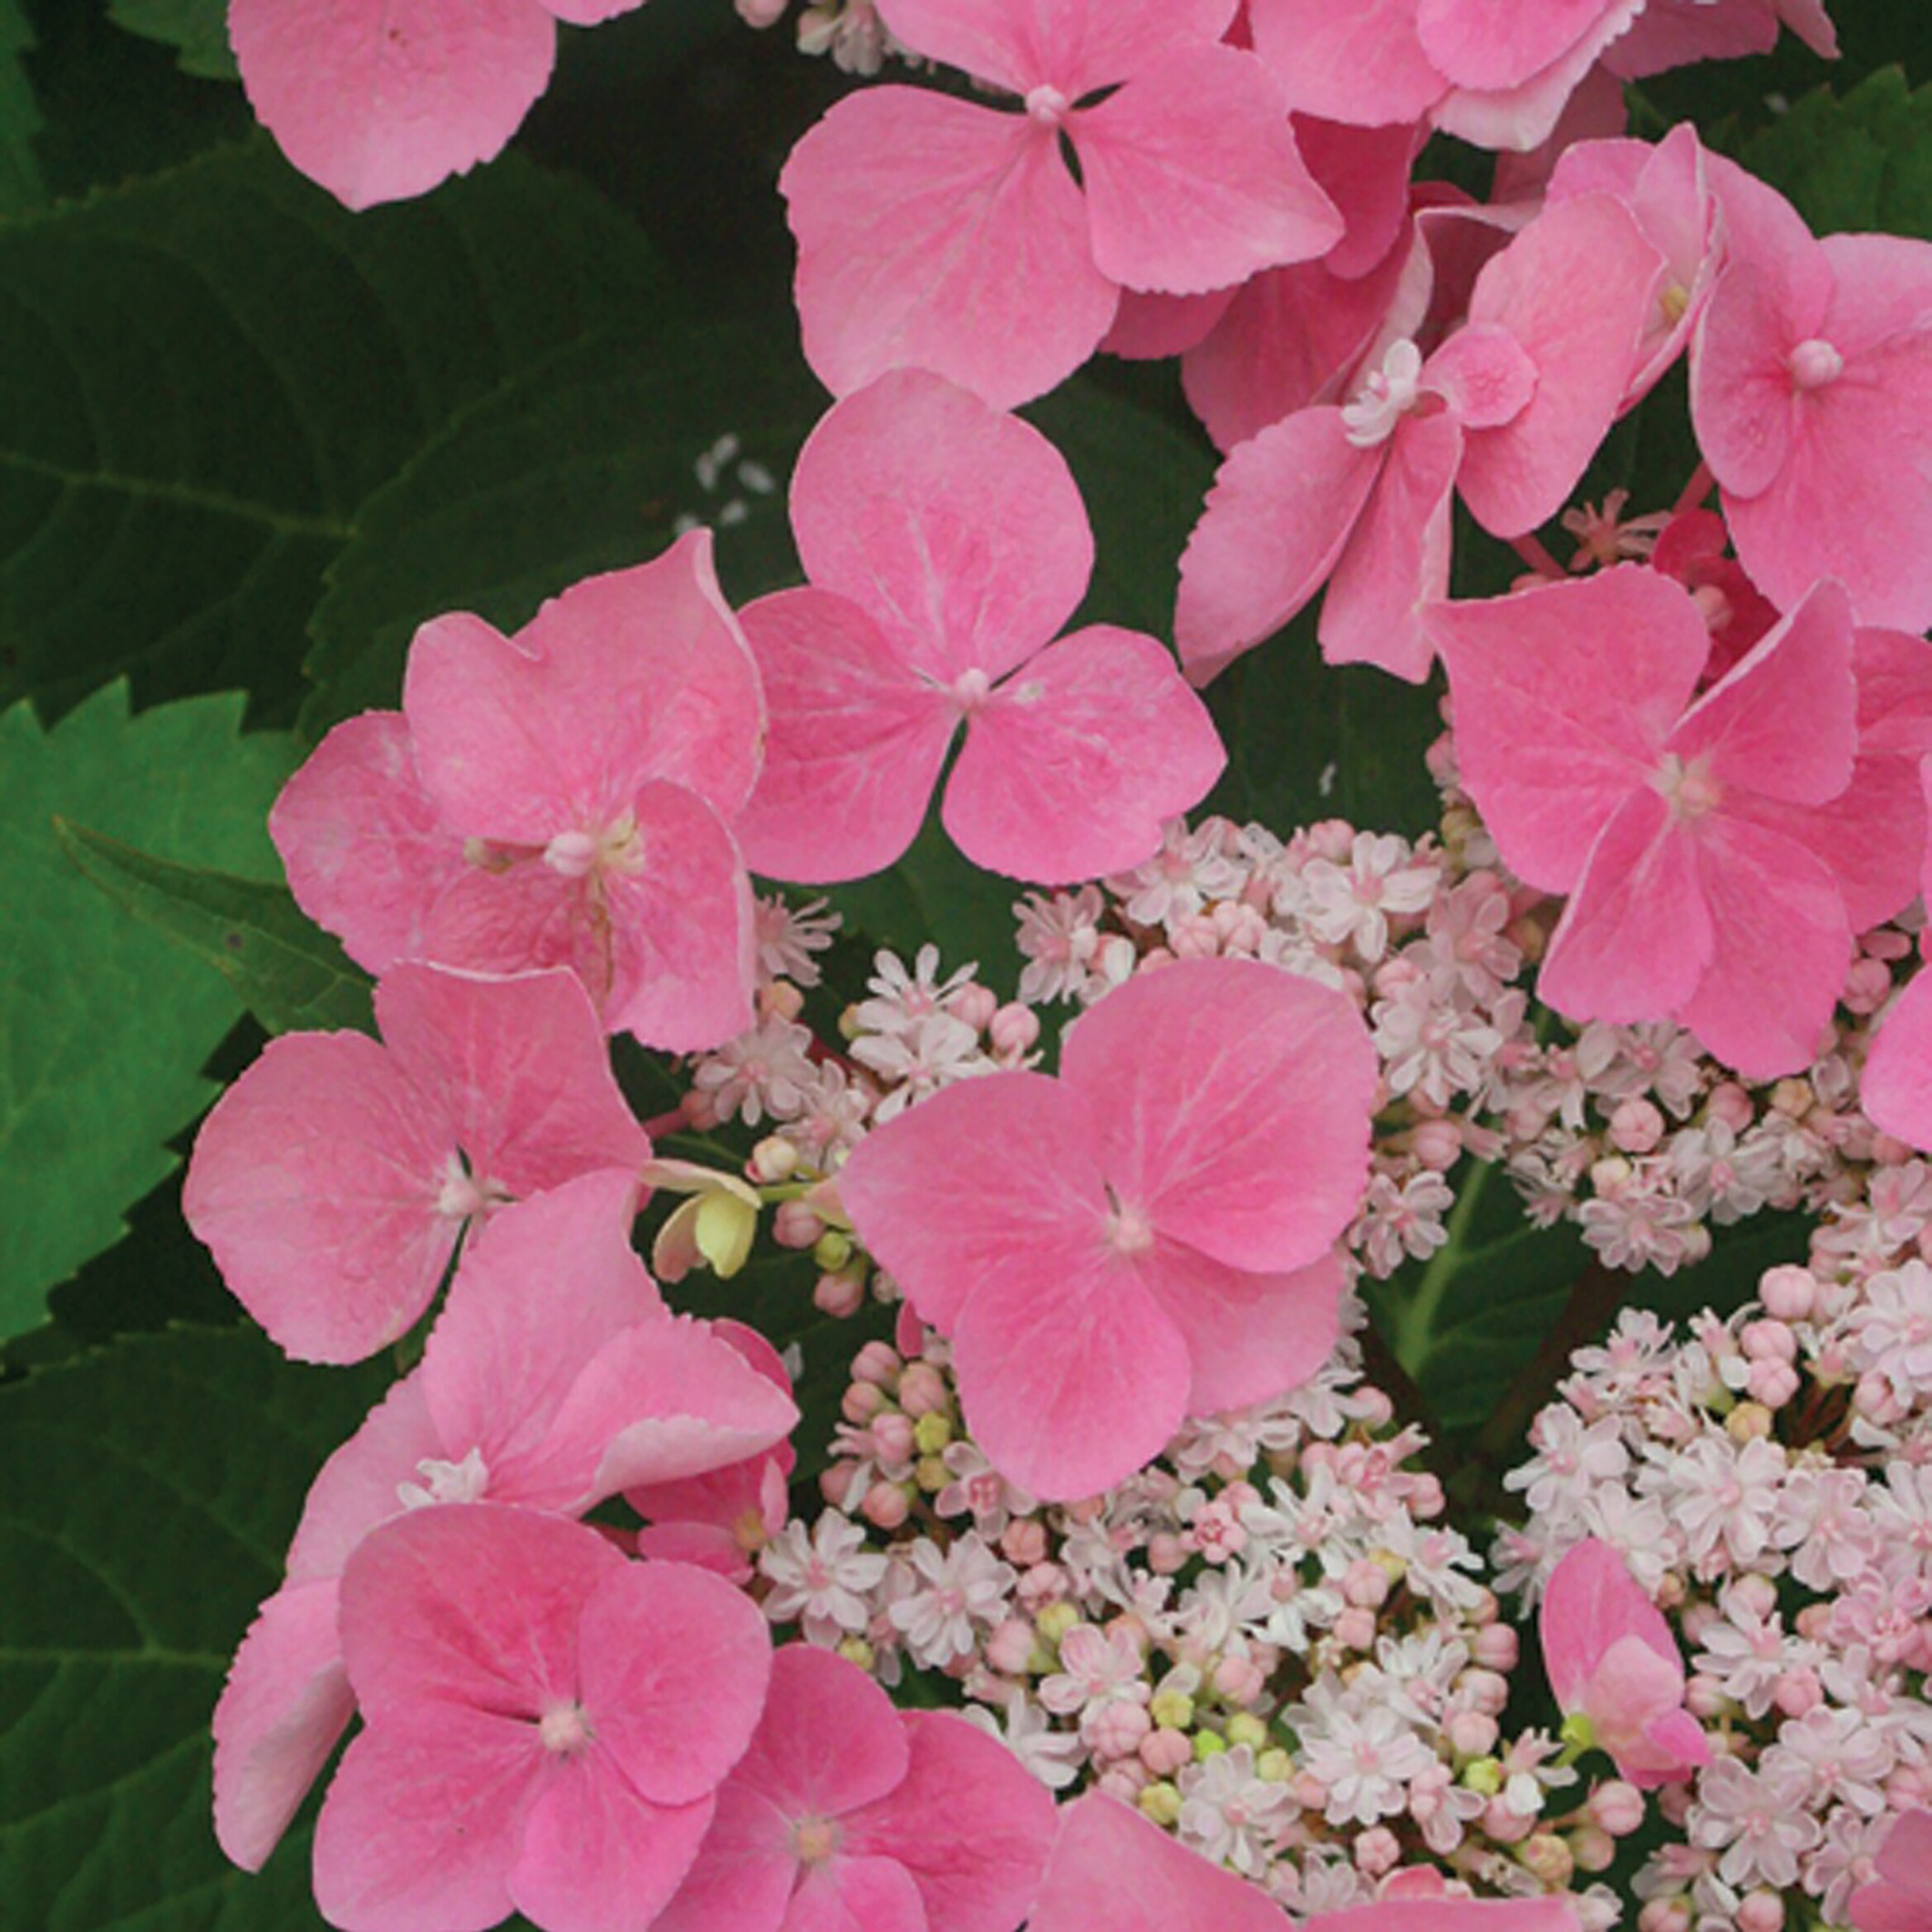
(947, 545)
(940, 234)
(562, 797)
(554, 1378)
(1612, 1661)
(1718, 859)
(381, 99)
(333, 1180)
(845, 1812)
(546, 1724)
(1146, 1236)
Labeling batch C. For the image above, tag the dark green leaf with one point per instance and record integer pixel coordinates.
(197, 30)
(288, 974)
(149, 1493)
(21, 186)
(1859, 162)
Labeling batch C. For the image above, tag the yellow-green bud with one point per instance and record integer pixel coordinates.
(932, 1432)
(1161, 1802)
(1245, 1728)
(1172, 1710)
(1274, 1766)
(856, 1650)
(1208, 1744)
(931, 1474)
(832, 1250)
(1484, 1775)
(1578, 1732)
(1055, 1621)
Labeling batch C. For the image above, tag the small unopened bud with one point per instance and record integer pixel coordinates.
(1377, 1850)
(922, 1389)
(1550, 1858)
(975, 1004)
(885, 1506)
(1014, 1030)
(839, 1296)
(795, 1225)
(773, 1160)
(1616, 1807)
(1761, 1911)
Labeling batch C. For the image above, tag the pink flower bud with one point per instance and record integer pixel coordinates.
(760, 13)
(1334, 839)
(1504, 1826)
(1866, 986)
(1761, 1911)
(1377, 1850)
(1239, 1682)
(1375, 1408)
(1550, 1858)
(922, 1390)
(1437, 1144)
(1876, 1399)
(1354, 1629)
(1125, 1780)
(834, 1484)
(1813, 1621)
(1164, 1752)
(1008, 1648)
(1595, 1912)
(1365, 1584)
(1166, 1554)
(1616, 1807)
(877, 1362)
(1496, 1647)
(1673, 1803)
(1768, 1338)
(1023, 1541)
(1889, 1152)
(1636, 1127)
(1788, 1292)
(1703, 1696)
(1014, 1030)
(1425, 1496)
(781, 1000)
(1731, 1107)
(1472, 1734)
(1483, 1690)
(1044, 1584)
(885, 1506)
(1772, 1382)
(974, 1004)
(1310, 1793)
(839, 1296)
(1115, 1730)
(1909, 1788)
(795, 1225)
(1797, 1692)
(1665, 1914)
(861, 1402)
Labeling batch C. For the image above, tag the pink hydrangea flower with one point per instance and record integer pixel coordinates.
(381, 99)
(1717, 859)
(1677, 33)
(941, 234)
(551, 1401)
(946, 545)
(1509, 410)
(845, 1812)
(334, 1179)
(1147, 1235)
(1899, 1899)
(1895, 1090)
(1611, 1659)
(561, 797)
(1811, 394)
(546, 1724)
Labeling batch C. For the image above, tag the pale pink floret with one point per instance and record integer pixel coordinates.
(563, 797)
(943, 235)
(845, 1812)
(554, 1377)
(545, 1725)
(333, 1180)
(947, 545)
(1899, 1899)
(379, 100)
(1718, 859)
(1811, 393)
(1611, 1658)
(1509, 410)
(1145, 1237)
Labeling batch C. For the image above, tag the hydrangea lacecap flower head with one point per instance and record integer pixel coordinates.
(333, 1180)
(1900, 1898)
(1811, 396)
(545, 1724)
(563, 797)
(554, 1378)
(379, 100)
(1718, 859)
(1146, 1236)
(947, 545)
(844, 1812)
(1613, 1662)
(1509, 410)
(944, 234)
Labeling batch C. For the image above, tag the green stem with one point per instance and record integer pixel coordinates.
(1414, 1340)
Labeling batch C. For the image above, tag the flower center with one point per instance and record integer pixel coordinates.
(970, 691)
(565, 1730)
(1689, 789)
(1387, 396)
(616, 847)
(1814, 364)
(1129, 1231)
(465, 1481)
(815, 1839)
(1046, 106)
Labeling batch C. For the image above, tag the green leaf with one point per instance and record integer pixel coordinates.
(203, 375)
(105, 1023)
(21, 186)
(149, 1493)
(287, 971)
(586, 464)
(196, 29)
(1859, 162)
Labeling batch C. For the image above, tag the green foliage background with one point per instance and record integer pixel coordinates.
(247, 441)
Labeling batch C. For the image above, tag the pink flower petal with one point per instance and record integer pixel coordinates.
(1590, 1602)
(518, 1065)
(856, 1895)
(1637, 935)
(1072, 765)
(675, 1667)
(990, 1176)
(1783, 944)
(314, 1183)
(856, 745)
(958, 530)
(286, 1702)
(1887, 1908)
(830, 1740)
(1194, 178)
(1575, 290)
(968, 1821)
(1523, 116)
(1893, 670)
(1110, 1866)
(364, 848)
(941, 234)
(1149, 328)
(634, 676)
(1362, 63)
(1905, 1859)
(381, 99)
(597, 1857)
(356, 1488)
(423, 1821)
(1277, 520)
(1554, 1913)
(1249, 1337)
(1564, 696)
(1070, 1376)
(1895, 1093)
(1497, 43)
(742, 1878)
(1233, 1102)
(1364, 171)
(1397, 561)
(1678, 33)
